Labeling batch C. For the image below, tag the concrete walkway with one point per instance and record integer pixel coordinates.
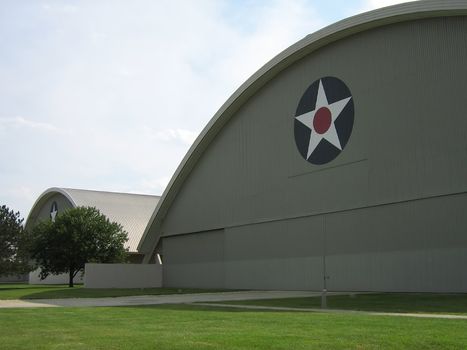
(157, 299)
(279, 308)
(207, 299)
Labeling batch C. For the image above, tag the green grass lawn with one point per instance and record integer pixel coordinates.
(31, 291)
(384, 302)
(195, 327)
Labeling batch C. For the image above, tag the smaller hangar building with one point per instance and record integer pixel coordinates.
(342, 163)
(132, 211)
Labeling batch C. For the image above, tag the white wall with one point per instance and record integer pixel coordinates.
(14, 278)
(122, 276)
(53, 279)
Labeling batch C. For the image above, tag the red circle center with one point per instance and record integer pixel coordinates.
(322, 120)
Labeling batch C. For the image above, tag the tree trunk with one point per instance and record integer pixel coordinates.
(70, 283)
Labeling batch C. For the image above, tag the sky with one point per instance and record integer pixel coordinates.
(110, 94)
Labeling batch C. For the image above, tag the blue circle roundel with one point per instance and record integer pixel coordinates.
(324, 120)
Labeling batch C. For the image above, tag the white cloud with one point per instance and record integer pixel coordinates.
(18, 198)
(279, 24)
(20, 122)
(125, 87)
(59, 8)
(187, 137)
(157, 185)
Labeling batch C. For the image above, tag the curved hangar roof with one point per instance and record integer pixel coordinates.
(370, 20)
(132, 211)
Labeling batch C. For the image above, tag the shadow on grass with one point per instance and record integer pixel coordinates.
(26, 291)
(80, 292)
(381, 302)
(15, 288)
(54, 293)
(195, 307)
(386, 302)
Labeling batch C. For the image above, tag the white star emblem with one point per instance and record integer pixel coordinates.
(321, 120)
(53, 212)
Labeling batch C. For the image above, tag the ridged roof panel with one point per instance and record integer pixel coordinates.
(132, 211)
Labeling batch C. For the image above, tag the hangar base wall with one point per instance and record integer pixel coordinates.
(411, 246)
(257, 202)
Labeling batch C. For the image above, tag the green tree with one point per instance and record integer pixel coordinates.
(76, 237)
(13, 258)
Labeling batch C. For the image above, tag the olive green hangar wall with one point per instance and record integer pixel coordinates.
(343, 162)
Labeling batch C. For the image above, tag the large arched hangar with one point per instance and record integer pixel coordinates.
(342, 163)
(132, 211)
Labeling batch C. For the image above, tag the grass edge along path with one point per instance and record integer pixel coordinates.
(22, 291)
(427, 303)
(335, 311)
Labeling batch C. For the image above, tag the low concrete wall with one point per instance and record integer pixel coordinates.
(14, 278)
(53, 279)
(122, 276)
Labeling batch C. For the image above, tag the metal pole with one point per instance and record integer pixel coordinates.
(324, 304)
(324, 292)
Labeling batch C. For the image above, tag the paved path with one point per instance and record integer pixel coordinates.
(279, 308)
(157, 299)
(204, 299)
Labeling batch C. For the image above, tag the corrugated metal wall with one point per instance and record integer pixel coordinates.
(387, 214)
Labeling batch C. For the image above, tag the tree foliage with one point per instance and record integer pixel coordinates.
(13, 257)
(77, 236)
